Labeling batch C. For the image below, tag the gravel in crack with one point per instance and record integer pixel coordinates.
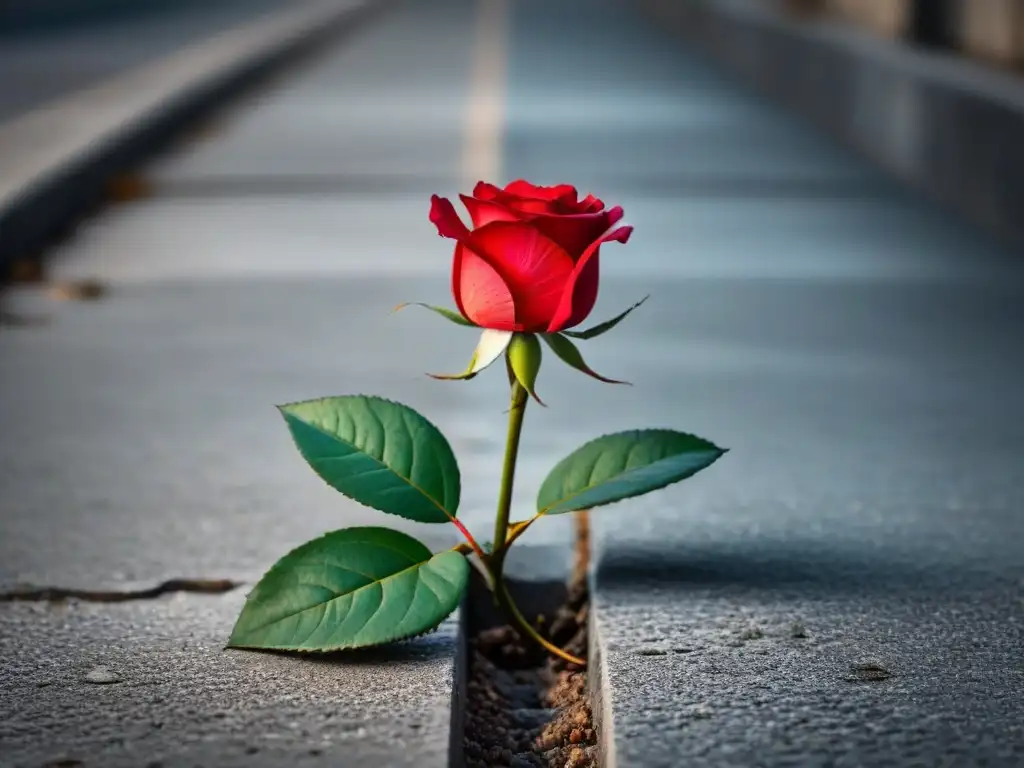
(527, 709)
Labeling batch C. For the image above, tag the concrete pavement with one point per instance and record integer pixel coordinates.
(62, 159)
(141, 441)
(856, 350)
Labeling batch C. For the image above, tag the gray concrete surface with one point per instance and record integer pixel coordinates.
(140, 439)
(943, 123)
(854, 347)
(174, 697)
(56, 162)
(858, 352)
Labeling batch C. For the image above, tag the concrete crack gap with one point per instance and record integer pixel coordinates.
(56, 594)
(524, 708)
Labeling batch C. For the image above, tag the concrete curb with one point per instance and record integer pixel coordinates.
(946, 125)
(55, 161)
(599, 686)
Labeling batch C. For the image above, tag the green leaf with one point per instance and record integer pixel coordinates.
(490, 347)
(571, 356)
(623, 465)
(444, 312)
(351, 589)
(379, 453)
(524, 358)
(606, 326)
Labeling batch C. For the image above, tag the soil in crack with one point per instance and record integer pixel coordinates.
(527, 709)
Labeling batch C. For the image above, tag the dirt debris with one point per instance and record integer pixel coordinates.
(527, 709)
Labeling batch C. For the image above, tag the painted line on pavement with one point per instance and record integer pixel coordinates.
(485, 114)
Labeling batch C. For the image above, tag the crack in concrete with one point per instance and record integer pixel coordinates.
(56, 594)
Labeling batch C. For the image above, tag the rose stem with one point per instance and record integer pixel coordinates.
(496, 562)
(508, 473)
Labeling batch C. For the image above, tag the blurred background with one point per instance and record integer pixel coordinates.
(210, 207)
(988, 30)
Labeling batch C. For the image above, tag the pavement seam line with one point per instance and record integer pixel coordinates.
(55, 594)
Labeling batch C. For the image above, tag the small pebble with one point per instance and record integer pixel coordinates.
(577, 757)
(648, 651)
(867, 672)
(101, 676)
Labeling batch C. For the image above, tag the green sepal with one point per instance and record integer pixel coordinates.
(524, 358)
(353, 588)
(606, 326)
(570, 355)
(491, 346)
(448, 314)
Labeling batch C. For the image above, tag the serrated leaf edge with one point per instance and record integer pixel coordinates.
(450, 515)
(546, 510)
(334, 649)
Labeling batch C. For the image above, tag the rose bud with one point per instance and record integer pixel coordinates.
(530, 263)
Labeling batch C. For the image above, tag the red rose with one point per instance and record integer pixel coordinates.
(530, 263)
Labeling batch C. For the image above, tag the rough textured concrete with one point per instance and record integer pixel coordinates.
(943, 123)
(174, 697)
(142, 427)
(141, 443)
(858, 352)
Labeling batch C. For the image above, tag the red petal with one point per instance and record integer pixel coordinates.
(485, 191)
(534, 268)
(581, 289)
(489, 193)
(485, 211)
(574, 233)
(447, 221)
(522, 188)
(590, 204)
(481, 293)
(530, 208)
